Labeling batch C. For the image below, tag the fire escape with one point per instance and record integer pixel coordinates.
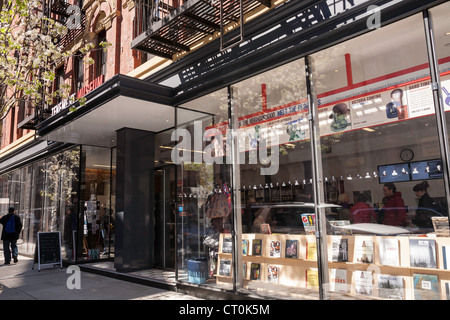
(167, 27)
(74, 18)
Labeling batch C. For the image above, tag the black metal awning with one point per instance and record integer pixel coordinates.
(165, 30)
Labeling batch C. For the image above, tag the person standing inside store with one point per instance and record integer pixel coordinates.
(12, 225)
(394, 209)
(361, 212)
(423, 212)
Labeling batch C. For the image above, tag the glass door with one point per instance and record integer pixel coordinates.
(165, 217)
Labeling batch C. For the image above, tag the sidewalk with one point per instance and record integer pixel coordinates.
(20, 282)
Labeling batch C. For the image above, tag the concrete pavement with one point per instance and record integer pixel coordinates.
(20, 282)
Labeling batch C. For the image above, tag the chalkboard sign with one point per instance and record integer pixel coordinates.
(48, 249)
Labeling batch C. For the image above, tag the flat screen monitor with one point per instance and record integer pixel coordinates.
(394, 173)
(428, 169)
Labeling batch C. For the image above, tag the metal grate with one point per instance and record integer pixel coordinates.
(165, 28)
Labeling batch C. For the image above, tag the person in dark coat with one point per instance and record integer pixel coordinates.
(423, 216)
(10, 238)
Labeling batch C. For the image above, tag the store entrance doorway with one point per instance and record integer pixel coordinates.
(165, 197)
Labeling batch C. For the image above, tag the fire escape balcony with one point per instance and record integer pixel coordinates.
(165, 28)
(74, 18)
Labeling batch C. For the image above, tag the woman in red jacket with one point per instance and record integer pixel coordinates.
(394, 209)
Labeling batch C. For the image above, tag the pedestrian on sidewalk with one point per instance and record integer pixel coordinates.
(12, 225)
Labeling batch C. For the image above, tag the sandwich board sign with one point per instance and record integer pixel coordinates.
(48, 249)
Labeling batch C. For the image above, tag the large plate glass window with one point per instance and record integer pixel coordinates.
(277, 256)
(381, 164)
(203, 209)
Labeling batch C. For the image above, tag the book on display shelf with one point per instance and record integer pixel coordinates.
(227, 245)
(225, 267)
(422, 253)
(426, 287)
(311, 250)
(275, 249)
(312, 278)
(339, 250)
(265, 228)
(363, 282)
(441, 227)
(273, 273)
(364, 251)
(256, 247)
(339, 280)
(291, 249)
(390, 287)
(447, 290)
(244, 247)
(255, 271)
(389, 252)
(446, 257)
(244, 270)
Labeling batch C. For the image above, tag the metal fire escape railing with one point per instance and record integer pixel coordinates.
(165, 28)
(74, 18)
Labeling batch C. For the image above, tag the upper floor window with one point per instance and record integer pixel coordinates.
(78, 72)
(101, 55)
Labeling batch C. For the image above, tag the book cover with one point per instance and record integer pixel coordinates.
(244, 247)
(441, 227)
(390, 287)
(339, 250)
(426, 287)
(273, 273)
(312, 278)
(389, 252)
(339, 280)
(309, 222)
(311, 251)
(275, 249)
(291, 249)
(256, 247)
(255, 271)
(338, 227)
(244, 270)
(265, 228)
(447, 290)
(227, 245)
(363, 282)
(422, 253)
(446, 256)
(364, 251)
(225, 267)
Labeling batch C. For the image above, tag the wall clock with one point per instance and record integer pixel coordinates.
(406, 154)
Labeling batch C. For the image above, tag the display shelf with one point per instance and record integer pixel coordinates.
(293, 271)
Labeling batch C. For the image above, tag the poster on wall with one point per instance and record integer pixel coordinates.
(445, 85)
(378, 108)
(274, 127)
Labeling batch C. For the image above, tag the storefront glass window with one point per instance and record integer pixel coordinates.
(441, 28)
(60, 192)
(379, 148)
(23, 207)
(203, 181)
(275, 185)
(96, 223)
(35, 213)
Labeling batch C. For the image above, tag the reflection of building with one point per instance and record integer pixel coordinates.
(181, 80)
